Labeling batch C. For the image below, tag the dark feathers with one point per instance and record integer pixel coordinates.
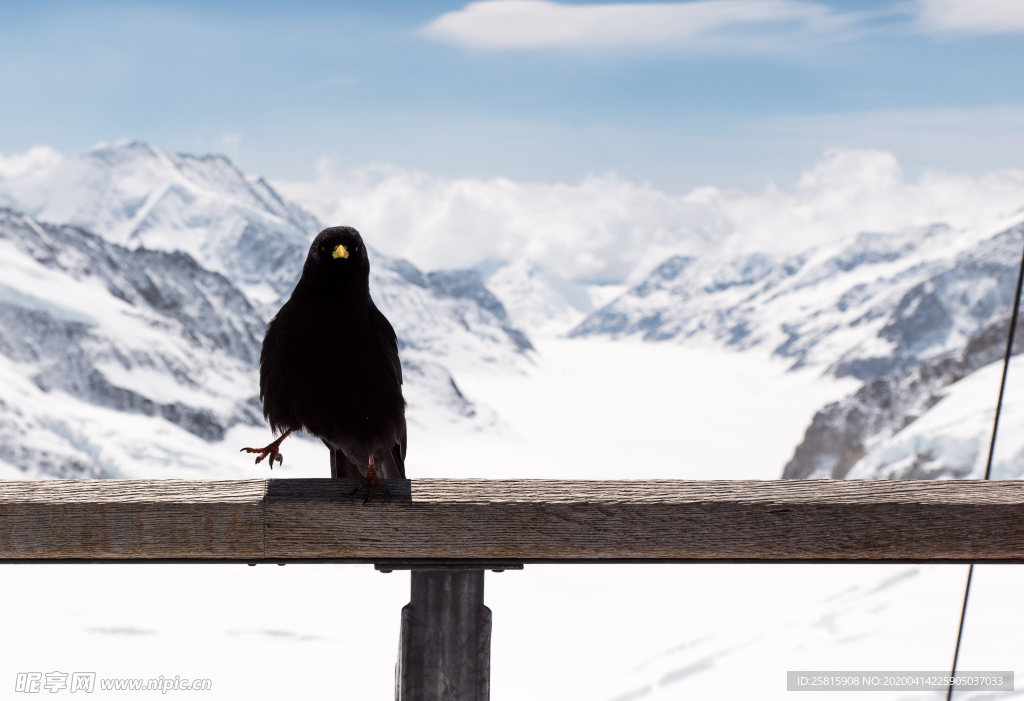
(329, 364)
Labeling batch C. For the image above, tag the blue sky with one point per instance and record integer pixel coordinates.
(725, 92)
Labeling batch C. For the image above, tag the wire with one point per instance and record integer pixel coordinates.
(960, 632)
(1006, 367)
(991, 452)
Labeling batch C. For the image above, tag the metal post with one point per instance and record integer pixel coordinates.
(444, 650)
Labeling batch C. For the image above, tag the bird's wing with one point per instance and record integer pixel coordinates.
(383, 327)
(390, 341)
(275, 369)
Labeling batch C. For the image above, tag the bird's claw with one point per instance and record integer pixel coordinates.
(371, 481)
(270, 450)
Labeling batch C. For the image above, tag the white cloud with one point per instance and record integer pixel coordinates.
(533, 24)
(590, 230)
(36, 158)
(972, 16)
(608, 229)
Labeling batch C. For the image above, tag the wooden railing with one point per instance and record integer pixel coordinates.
(449, 531)
(513, 520)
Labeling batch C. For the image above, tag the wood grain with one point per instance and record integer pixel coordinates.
(131, 519)
(532, 520)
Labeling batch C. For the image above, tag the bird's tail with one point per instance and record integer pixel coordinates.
(341, 467)
(398, 454)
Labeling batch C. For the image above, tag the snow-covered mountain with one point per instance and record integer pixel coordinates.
(909, 313)
(863, 307)
(842, 432)
(143, 287)
(87, 324)
(538, 298)
(136, 195)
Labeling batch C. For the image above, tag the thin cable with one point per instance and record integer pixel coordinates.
(1006, 367)
(991, 453)
(960, 632)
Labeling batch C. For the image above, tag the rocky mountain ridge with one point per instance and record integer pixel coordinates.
(143, 332)
(864, 307)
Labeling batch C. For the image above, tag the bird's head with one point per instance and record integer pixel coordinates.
(337, 258)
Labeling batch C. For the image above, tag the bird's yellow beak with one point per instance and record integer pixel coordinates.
(340, 252)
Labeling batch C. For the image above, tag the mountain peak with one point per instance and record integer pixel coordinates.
(134, 194)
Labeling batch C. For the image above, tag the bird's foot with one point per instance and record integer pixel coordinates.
(269, 450)
(371, 481)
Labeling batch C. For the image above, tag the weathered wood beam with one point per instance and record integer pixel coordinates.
(433, 520)
(131, 519)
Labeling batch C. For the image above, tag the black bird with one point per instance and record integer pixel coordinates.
(329, 366)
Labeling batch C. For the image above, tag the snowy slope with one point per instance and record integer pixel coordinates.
(163, 220)
(842, 432)
(857, 437)
(865, 307)
(87, 325)
(951, 439)
(933, 421)
(538, 298)
(909, 313)
(132, 362)
(136, 195)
